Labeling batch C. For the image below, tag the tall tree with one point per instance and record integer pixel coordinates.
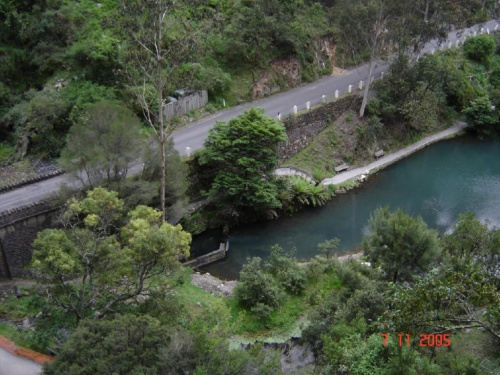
(400, 243)
(103, 144)
(91, 266)
(243, 153)
(162, 41)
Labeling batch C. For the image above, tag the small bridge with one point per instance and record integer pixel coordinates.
(292, 171)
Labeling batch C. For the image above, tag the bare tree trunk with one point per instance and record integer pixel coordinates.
(161, 130)
(426, 10)
(367, 86)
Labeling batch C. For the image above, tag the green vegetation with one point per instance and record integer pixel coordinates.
(400, 244)
(90, 265)
(103, 144)
(242, 155)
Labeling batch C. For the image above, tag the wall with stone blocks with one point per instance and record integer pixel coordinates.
(18, 229)
(303, 128)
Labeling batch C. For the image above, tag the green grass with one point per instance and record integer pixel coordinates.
(318, 157)
(283, 321)
(13, 334)
(6, 151)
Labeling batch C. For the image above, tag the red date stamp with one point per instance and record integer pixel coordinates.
(426, 339)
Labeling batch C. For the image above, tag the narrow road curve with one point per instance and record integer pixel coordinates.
(11, 364)
(192, 136)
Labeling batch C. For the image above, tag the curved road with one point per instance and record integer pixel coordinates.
(11, 364)
(192, 136)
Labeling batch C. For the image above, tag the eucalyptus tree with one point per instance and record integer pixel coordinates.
(162, 43)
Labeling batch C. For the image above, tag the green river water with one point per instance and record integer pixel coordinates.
(437, 183)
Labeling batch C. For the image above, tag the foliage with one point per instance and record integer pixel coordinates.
(480, 48)
(286, 270)
(399, 243)
(446, 300)
(480, 115)
(91, 267)
(256, 287)
(175, 174)
(103, 145)
(243, 153)
(307, 193)
(329, 247)
(472, 240)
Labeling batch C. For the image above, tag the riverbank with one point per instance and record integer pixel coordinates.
(387, 160)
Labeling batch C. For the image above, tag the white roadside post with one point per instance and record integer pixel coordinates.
(308, 105)
(223, 102)
(188, 151)
(349, 89)
(323, 97)
(336, 94)
(360, 85)
(294, 109)
(382, 76)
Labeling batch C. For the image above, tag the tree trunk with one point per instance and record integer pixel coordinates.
(367, 86)
(161, 130)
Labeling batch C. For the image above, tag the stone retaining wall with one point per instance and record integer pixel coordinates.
(31, 180)
(18, 229)
(303, 128)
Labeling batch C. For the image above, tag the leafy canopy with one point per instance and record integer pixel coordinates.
(243, 152)
(100, 258)
(399, 243)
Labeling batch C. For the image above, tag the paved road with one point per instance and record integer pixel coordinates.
(11, 364)
(193, 135)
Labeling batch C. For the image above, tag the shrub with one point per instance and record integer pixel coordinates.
(480, 48)
(256, 287)
(285, 269)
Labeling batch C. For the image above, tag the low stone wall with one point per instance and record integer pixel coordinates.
(294, 171)
(25, 173)
(303, 128)
(203, 260)
(18, 230)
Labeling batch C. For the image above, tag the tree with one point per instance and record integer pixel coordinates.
(480, 115)
(125, 345)
(445, 300)
(243, 153)
(91, 265)
(163, 42)
(103, 145)
(329, 247)
(257, 287)
(480, 48)
(472, 240)
(399, 243)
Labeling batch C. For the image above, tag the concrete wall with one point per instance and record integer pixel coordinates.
(203, 260)
(303, 128)
(18, 229)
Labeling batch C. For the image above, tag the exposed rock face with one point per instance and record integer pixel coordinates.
(284, 73)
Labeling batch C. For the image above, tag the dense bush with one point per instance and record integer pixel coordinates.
(480, 48)
(285, 269)
(257, 287)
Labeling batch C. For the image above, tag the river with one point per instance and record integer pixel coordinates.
(437, 183)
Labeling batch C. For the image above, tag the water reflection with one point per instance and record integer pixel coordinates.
(437, 183)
